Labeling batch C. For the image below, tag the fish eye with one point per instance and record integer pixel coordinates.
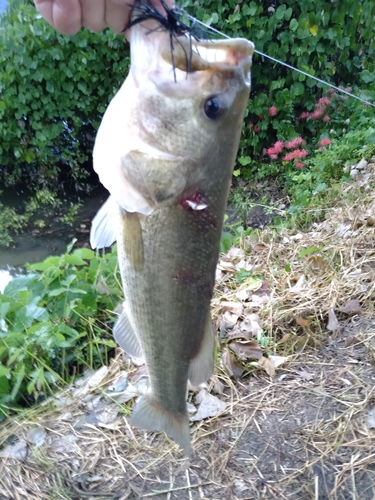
(213, 107)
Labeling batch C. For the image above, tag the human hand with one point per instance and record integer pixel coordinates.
(69, 16)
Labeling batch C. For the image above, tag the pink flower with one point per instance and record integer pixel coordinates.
(275, 149)
(331, 93)
(326, 118)
(279, 146)
(304, 115)
(272, 111)
(288, 157)
(297, 153)
(298, 141)
(256, 129)
(273, 157)
(323, 102)
(300, 153)
(325, 142)
(299, 164)
(316, 115)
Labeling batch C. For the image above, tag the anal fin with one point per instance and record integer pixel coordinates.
(202, 365)
(125, 336)
(148, 414)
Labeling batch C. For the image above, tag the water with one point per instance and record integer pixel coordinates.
(34, 245)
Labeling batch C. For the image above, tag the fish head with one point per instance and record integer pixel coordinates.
(178, 114)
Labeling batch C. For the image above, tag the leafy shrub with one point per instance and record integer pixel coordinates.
(53, 323)
(316, 183)
(330, 39)
(53, 92)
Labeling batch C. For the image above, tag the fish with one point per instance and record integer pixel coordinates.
(165, 151)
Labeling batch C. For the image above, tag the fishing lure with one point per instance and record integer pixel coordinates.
(175, 21)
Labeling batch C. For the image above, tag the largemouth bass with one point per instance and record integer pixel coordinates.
(165, 150)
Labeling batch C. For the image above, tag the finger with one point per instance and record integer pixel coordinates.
(93, 14)
(117, 13)
(63, 15)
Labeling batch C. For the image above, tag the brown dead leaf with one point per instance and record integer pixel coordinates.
(251, 326)
(302, 322)
(210, 406)
(300, 286)
(233, 307)
(267, 365)
(351, 307)
(317, 262)
(247, 350)
(333, 323)
(260, 247)
(230, 364)
(226, 267)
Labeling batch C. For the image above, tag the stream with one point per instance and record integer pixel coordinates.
(34, 245)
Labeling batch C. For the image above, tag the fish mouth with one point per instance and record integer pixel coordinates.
(163, 44)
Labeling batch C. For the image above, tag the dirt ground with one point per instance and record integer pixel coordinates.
(297, 424)
(308, 433)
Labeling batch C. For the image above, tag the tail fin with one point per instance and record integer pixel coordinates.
(149, 415)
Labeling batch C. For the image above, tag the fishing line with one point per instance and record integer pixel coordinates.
(192, 18)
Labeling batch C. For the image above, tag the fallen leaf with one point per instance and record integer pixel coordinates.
(302, 322)
(233, 307)
(251, 326)
(210, 406)
(351, 307)
(306, 375)
(260, 247)
(36, 436)
(278, 360)
(226, 267)
(106, 413)
(18, 451)
(235, 254)
(317, 262)
(64, 444)
(243, 295)
(370, 418)
(333, 323)
(246, 350)
(300, 286)
(90, 380)
(230, 364)
(218, 387)
(267, 365)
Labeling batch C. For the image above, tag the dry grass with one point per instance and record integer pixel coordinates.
(307, 433)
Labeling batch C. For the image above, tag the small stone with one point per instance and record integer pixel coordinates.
(361, 164)
(353, 173)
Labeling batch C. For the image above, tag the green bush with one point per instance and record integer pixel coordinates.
(54, 323)
(333, 40)
(53, 92)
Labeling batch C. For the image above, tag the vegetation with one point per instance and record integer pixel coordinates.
(53, 92)
(53, 323)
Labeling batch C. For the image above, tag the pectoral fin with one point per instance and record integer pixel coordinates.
(132, 239)
(202, 365)
(125, 336)
(103, 226)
